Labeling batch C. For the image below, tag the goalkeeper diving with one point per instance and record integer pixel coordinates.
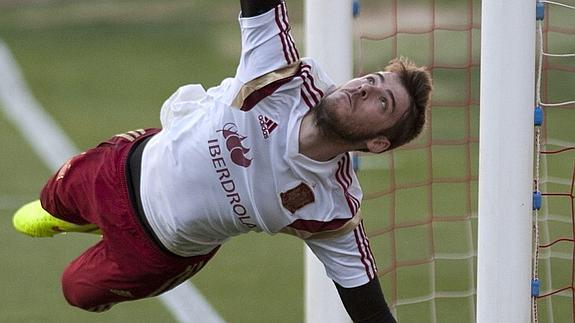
(267, 150)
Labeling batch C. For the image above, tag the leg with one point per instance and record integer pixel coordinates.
(104, 276)
(31, 219)
(57, 211)
(66, 194)
(86, 190)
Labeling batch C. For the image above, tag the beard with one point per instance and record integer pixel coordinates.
(337, 128)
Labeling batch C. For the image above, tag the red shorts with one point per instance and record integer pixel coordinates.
(126, 264)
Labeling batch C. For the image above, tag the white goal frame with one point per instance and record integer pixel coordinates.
(507, 96)
(505, 154)
(329, 40)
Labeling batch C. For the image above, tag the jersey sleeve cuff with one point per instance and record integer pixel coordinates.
(350, 282)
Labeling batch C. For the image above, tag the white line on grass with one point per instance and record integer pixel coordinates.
(186, 299)
(22, 109)
(53, 146)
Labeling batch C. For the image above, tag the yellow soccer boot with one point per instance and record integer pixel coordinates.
(31, 219)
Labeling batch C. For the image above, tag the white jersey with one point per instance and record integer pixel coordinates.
(227, 161)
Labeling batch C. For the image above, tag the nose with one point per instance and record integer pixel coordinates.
(362, 90)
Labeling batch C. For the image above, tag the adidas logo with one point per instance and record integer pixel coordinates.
(122, 292)
(267, 125)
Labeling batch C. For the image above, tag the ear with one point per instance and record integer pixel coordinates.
(378, 145)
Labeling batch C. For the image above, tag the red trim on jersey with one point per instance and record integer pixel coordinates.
(309, 91)
(306, 68)
(291, 44)
(349, 180)
(282, 35)
(288, 45)
(314, 226)
(309, 82)
(307, 86)
(344, 179)
(359, 238)
(260, 94)
(369, 252)
(306, 99)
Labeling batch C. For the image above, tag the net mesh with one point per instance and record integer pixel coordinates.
(420, 200)
(554, 228)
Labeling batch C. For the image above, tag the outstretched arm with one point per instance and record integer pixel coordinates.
(350, 264)
(365, 304)
(252, 8)
(267, 44)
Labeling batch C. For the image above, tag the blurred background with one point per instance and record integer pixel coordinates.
(104, 67)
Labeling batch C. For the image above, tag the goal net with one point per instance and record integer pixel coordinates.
(420, 202)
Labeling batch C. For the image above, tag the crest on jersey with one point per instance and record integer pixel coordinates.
(297, 197)
(238, 152)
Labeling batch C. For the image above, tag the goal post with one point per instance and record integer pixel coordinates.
(507, 90)
(331, 46)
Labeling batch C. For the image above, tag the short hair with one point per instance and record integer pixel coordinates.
(417, 81)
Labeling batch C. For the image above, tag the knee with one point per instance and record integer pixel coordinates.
(82, 295)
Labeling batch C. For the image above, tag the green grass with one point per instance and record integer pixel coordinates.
(101, 76)
(101, 68)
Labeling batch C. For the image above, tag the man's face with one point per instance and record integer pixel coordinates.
(363, 107)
